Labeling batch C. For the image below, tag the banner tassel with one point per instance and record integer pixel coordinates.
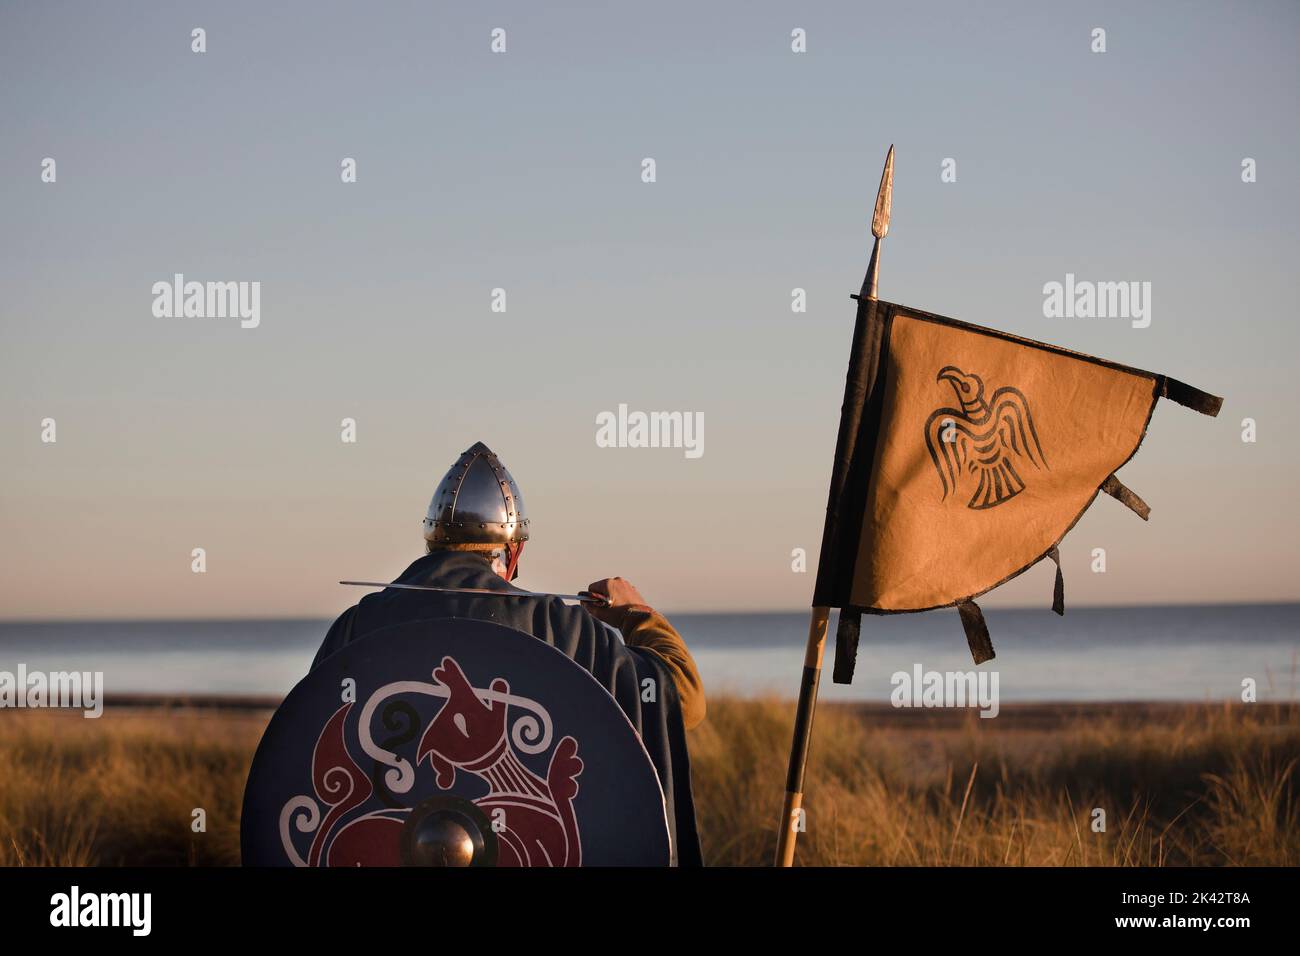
(846, 645)
(1058, 591)
(977, 632)
(1121, 493)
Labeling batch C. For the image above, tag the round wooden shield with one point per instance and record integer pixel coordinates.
(451, 742)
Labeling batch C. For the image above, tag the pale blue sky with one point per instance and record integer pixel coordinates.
(522, 171)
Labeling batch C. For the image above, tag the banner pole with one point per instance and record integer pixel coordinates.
(792, 818)
(803, 721)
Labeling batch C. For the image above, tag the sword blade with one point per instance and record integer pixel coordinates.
(586, 597)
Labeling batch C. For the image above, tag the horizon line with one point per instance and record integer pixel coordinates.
(800, 610)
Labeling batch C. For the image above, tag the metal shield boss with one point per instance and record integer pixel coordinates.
(451, 742)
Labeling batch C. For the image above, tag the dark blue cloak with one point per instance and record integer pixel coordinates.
(595, 646)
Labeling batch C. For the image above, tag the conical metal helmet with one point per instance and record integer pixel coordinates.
(477, 502)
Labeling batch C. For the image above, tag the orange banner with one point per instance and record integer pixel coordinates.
(988, 452)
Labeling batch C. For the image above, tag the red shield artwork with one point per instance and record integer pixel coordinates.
(451, 742)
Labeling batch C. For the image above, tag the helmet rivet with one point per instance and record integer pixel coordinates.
(476, 495)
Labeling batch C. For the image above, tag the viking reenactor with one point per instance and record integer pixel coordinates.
(475, 531)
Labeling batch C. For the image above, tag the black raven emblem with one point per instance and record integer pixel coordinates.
(989, 440)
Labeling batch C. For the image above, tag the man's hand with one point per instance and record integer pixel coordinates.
(647, 631)
(623, 597)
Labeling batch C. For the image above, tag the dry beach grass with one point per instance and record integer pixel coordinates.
(121, 789)
(1179, 784)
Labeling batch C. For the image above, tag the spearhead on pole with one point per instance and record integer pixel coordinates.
(879, 225)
